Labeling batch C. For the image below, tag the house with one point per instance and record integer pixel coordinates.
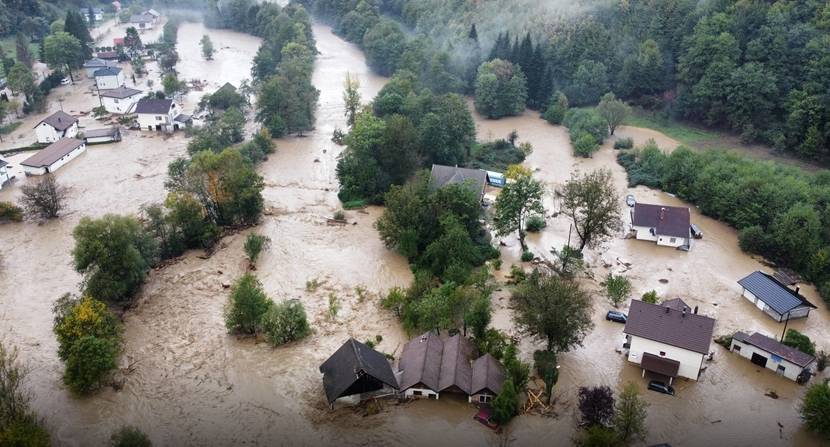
(777, 300)
(159, 114)
(768, 353)
(154, 13)
(456, 373)
(227, 86)
(56, 126)
(488, 377)
(97, 13)
(93, 65)
(421, 366)
(109, 57)
(354, 369)
(666, 339)
(142, 21)
(4, 173)
(109, 78)
(667, 225)
(52, 157)
(121, 99)
(446, 175)
(117, 6)
(102, 135)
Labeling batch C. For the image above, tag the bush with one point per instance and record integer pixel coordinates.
(527, 256)
(248, 303)
(517, 273)
(725, 341)
(497, 264)
(254, 244)
(352, 204)
(90, 362)
(334, 305)
(339, 215)
(557, 109)
(25, 433)
(505, 404)
(624, 143)
(753, 239)
(584, 145)
(9, 211)
(285, 322)
(822, 359)
(651, 297)
(535, 224)
(797, 340)
(369, 343)
(815, 408)
(128, 436)
(43, 198)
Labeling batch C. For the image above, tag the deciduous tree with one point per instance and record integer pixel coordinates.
(596, 405)
(285, 322)
(630, 414)
(617, 288)
(548, 369)
(815, 409)
(505, 404)
(592, 204)
(613, 111)
(351, 96)
(132, 41)
(207, 47)
(248, 303)
(44, 198)
(518, 200)
(63, 50)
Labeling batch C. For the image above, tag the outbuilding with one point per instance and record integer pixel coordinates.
(105, 135)
(110, 57)
(769, 353)
(355, 369)
(774, 298)
(667, 225)
(109, 78)
(56, 126)
(121, 99)
(143, 21)
(93, 65)
(52, 157)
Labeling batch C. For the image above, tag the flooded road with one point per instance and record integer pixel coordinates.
(187, 383)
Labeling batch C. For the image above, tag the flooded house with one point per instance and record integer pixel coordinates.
(4, 173)
(420, 366)
(488, 378)
(771, 354)
(56, 126)
(770, 294)
(355, 369)
(668, 339)
(164, 115)
(121, 99)
(93, 65)
(667, 225)
(52, 157)
(143, 21)
(109, 78)
(447, 175)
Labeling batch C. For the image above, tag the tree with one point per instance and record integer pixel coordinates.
(593, 205)
(90, 362)
(114, 254)
(797, 340)
(129, 436)
(44, 198)
(630, 414)
(254, 244)
(24, 51)
(500, 90)
(10, 211)
(76, 25)
(548, 369)
(518, 200)
(517, 371)
(351, 97)
(557, 109)
(21, 80)
(172, 85)
(815, 409)
(132, 41)
(207, 47)
(599, 436)
(613, 110)
(596, 405)
(285, 322)
(248, 303)
(505, 404)
(63, 50)
(617, 288)
(14, 399)
(553, 309)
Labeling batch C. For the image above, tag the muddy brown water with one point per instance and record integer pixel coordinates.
(187, 383)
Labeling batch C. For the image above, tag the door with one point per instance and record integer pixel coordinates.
(780, 370)
(759, 360)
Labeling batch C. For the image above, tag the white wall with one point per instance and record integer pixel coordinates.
(110, 82)
(115, 105)
(690, 361)
(426, 392)
(791, 370)
(146, 119)
(46, 133)
(67, 158)
(90, 72)
(672, 241)
(100, 139)
(644, 234)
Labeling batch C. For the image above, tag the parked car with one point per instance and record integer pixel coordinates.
(615, 315)
(660, 387)
(629, 200)
(486, 419)
(696, 233)
(2, 83)
(66, 81)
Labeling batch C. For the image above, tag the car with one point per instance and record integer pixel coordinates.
(615, 315)
(629, 200)
(660, 387)
(696, 233)
(486, 419)
(2, 83)
(66, 81)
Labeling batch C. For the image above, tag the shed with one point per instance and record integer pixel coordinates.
(354, 369)
(53, 156)
(774, 298)
(105, 135)
(447, 175)
(456, 365)
(769, 353)
(421, 366)
(666, 225)
(495, 178)
(488, 378)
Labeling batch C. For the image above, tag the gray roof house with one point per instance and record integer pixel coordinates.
(666, 225)
(93, 65)
(488, 378)
(774, 298)
(456, 365)
(60, 120)
(421, 365)
(769, 353)
(355, 369)
(156, 106)
(447, 175)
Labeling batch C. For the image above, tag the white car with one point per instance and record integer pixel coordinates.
(65, 81)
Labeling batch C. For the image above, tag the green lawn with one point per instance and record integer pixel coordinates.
(9, 128)
(680, 132)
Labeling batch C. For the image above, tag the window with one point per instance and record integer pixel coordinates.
(158, 118)
(116, 101)
(672, 240)
(662, 353)
(736, 349)
(485, 399)
(417, 393)
(780, 370)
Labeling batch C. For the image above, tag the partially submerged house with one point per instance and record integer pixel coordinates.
(670, 339)
(355, 369)
(769, 353)
(774, 298)
(121, 99)
(56, 126)
(488, 378)
(109, 78)
(456, 374)
(110, 57)
(117, 6)
(666, 225)
(52, 157)
(475, 179)
(143, 21)
(421, 366)
(104, 135)
(159, 114)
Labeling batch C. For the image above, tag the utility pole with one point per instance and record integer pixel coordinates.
(785, 326)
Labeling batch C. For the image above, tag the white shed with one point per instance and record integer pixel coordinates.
(56, 126)
(768, 353)
(51, 158)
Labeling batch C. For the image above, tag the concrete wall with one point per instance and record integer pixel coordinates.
(100, 139)
(46, 133)
(791, 370)
(690, 361)
(147, 120)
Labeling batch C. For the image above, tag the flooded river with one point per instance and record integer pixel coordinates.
(187, 383)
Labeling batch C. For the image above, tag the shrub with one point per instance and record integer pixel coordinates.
(90, 362)
(651, 297)
(339, 215)
(624, 143)
(248, 303)
(43, 198)
(369, 343)
(361, 293)
(505, 404)
(822, 359)
(527, 256)
(584, 145)
(9, 211)
(517, 273)
(254, 244)
(497, 264)
(753, 239)
(597, 435)
(25, 433)
(557, 109)
(128, 436)
(378, 338)
(725, 341)
(815, 408)
(352, 204)
(517, 370)
(797, 340)
(312, 284)
(285, 322)
(535, 224)
(334, 305)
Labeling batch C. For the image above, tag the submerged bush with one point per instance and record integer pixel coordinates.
(285, 322)
(624, 143)
(535, 224)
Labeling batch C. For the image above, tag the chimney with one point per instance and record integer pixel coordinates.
(695, 310)
(797, 288)
(667, 309)
(662, 213)
(684, 311)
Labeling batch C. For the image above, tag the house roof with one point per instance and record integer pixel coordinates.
(141, 18)
(153, 12)
(660, 365)
(488, 374)
(108, 71)
(182, 118)
(3, 163)
(145, 105)
(116, 4)
(456, 368)
(228, 86)
(676, 304)
(349, 364)
(445, 175)
(60, 120)
(95, 62)
(118, 41)
(775, 347)
(52, 153)
(94, 11)
(107, 55)
(421, 362)
(121, 92)
(105, 132)
(674, 222)
(670, 326)
(784, 278)
(773, 293)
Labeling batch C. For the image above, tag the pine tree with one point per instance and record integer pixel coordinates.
(494, 53)
(473, 34)
(76, 25)
(24, 52)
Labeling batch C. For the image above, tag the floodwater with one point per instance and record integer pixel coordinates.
(187, 383)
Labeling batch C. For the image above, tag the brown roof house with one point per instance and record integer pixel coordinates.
(53, 156)
(356, 369)
(475, 179)
(56, 126)
(421, 366)
(457, 366)
(666, 225)
(768, 353)
(488, 377)
(670, 340)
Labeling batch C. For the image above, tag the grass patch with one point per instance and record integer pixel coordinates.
(355, 204)
(9, 128)
(672, 129)
(34, 147)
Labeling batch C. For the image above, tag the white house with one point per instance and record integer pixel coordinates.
(666, 225)
(121, 99)
(53, 156)
(96, 12)
(109, 78)
(4, 173)
(159, 114)
(768, 353)
(143, 21)
(153, 13)
(93, 65)
(105, 135)
(56, 126)
(668, 339)
(774, 298)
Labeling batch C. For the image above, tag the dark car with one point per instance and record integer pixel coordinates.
(660, 387)
(629, 200)
(696, 233)
(615, 315)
